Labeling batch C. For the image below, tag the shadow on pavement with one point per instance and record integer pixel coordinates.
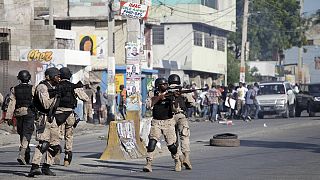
(281, 145)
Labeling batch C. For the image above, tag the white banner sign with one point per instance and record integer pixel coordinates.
(133, 10)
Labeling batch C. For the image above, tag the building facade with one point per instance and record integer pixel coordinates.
(191, 39)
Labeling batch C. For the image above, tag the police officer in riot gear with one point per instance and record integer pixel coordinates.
(47, 130)
(21, 105)
(162, 124)
(65, 112)
(182, 126)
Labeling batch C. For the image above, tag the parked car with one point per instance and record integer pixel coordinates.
(308, 99)
(276, 98)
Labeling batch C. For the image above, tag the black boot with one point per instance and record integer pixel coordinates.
(46, 170)
(67, 158)
(34, 170)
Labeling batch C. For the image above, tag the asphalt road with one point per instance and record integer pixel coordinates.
(270, 149)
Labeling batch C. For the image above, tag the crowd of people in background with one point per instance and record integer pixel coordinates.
(224, 102)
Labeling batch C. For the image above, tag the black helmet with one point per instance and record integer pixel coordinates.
(65, 73)
(174, 79)
(52, 72)
(24, 76)
(160, 81)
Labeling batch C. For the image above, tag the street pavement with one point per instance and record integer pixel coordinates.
(271, 148)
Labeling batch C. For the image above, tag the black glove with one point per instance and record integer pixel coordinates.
(76, 123)
(50, 119)
(79, 85)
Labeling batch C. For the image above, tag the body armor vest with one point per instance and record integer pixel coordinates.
(36, 101)
(23, 94)
(180, 102)
(68, 98)
(163, 109)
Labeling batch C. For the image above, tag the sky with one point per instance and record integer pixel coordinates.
(311, 6)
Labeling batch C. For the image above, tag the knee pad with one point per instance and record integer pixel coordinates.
(173, 148)
(151, 145)
(43, 146)
(53, 150)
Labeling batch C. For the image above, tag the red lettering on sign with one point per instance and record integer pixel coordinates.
(135, 5)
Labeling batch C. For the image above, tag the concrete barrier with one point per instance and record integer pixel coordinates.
(113, 149)
(135, 116)
(116, 149)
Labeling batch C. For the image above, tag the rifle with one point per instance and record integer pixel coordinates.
(77, 120)
(178, 90)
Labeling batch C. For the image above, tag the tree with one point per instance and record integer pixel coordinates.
(233, 70)
(273, 25)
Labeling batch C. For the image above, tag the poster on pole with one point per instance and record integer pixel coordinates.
(111, 76)
(133, 10)
(133, 90)
(133, 70)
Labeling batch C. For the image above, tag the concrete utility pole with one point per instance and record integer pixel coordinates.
(50, 13)
(111, 59)
(244, 41)
(300, 76)
(133, 33)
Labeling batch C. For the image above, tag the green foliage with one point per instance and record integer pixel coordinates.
(273, 25)
(233, 70)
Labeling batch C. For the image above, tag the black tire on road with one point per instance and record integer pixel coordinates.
(225, 142)
(225, 136)
(260, 115)
(286, 113)
(310, 111)
(298, 111)
(292, 110)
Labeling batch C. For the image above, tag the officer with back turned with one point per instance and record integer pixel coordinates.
(162, 124)
(65, 115)
(181, 102)
(21, 104)
(47, 130)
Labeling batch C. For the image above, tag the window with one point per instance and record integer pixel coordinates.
(210, 3)
(4, 46)
(101, 24)
(66, 25)
(65, 43)
(197, 38)
(220, 44)
(158, 35)
(208, 41)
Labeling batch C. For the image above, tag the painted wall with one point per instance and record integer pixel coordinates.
(179, 47)
(192, 11)
(209, 60)
(88, 8)
(88, 28)
(265, 68)
(17, 17)
(291, 56)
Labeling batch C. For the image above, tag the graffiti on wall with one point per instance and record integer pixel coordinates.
(36, 55)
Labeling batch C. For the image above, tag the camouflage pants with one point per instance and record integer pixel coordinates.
(66, 132)
(87, 112)
(183, 129)
(25, 128)
(45, 132)
(165, 128)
